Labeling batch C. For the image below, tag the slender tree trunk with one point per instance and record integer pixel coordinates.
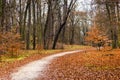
(20, 17)
(39, 24)
(34, 25)
(48, 26)
(3, 13)
(59, 31)
(115, 26)
(72, 36)
(28, 26)
(25, 17)
(69, 8)
(111, 9)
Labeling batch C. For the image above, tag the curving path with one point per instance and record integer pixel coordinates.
(34, 69)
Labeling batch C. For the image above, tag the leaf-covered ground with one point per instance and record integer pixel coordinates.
(92, 65)
(7, 67)
(9, 64)
(87, 65)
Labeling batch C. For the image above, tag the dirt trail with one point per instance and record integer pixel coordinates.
(35, 69)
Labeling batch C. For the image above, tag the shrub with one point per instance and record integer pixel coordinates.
(97, 38)
(10, 42)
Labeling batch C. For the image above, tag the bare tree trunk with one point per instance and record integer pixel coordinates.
(114, 24)
(28, 26)
(39, 23)
(34, 25)
(59, 31)
(20, 17)
(3, 13)
(63, 24)
(64, 15)
(48, 25)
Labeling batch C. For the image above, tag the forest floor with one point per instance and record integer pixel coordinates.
(89, 65)
(86, 65)
(8, 64)
(35, 69)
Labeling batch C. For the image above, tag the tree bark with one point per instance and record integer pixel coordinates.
(28, 26)
(34, 26)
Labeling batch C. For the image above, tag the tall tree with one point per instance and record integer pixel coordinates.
(70, 7)
(34, 25)
(28, 25)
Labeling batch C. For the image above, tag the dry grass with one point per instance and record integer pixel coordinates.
(26, 53)
(74, 47)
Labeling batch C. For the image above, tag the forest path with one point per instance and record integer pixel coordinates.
(35, 69)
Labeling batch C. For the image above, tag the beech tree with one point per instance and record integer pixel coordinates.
(10, 42)
(97, 38)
